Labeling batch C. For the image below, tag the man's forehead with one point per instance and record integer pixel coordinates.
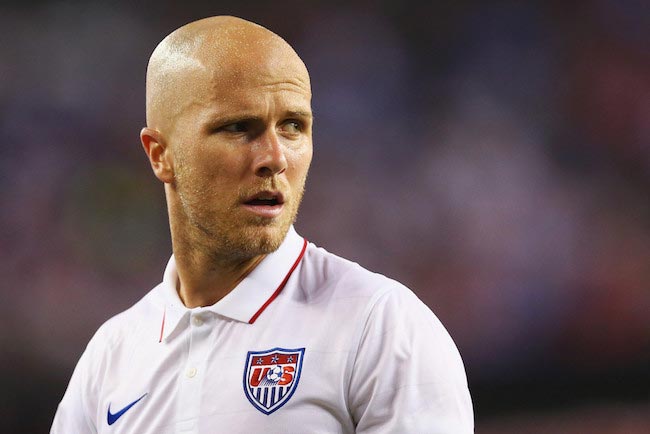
(272, 60)
(243, 103)
(256, 77)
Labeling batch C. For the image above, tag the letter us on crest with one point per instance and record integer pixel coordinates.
(271, 377)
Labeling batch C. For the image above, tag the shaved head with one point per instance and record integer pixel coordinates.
(222, 49)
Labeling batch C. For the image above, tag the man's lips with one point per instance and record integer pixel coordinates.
(266, 197)
(265, 203)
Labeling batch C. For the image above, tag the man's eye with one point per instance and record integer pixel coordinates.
(292, 127)
(236, 127)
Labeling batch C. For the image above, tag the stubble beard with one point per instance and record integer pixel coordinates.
(230, 234)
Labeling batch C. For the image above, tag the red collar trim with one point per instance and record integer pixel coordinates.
(282, 284)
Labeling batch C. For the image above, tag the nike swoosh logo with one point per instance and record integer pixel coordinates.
(111, 418)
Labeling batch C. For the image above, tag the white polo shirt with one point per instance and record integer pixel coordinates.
(308, 342)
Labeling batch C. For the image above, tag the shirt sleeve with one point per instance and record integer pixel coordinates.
(74, 413)
(408, 376)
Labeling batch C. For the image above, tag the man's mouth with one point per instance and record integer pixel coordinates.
(268, 198)
(265, 203)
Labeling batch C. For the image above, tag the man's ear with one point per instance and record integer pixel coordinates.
(159, 156)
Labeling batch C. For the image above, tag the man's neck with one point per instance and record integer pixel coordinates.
(204, 280)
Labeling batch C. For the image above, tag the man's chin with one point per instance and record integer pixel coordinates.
(263, 239)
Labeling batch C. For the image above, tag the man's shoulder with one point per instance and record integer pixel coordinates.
(325, 275)
(141, 314)
(323, 271)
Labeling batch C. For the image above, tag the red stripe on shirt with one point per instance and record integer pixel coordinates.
(162, 326)
(282, 284)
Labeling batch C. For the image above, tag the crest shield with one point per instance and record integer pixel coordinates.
(271, 377)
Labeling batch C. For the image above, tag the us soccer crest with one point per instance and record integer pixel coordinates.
(271, 377)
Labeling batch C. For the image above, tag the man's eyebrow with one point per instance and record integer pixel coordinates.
(220, 120)
(300, 114)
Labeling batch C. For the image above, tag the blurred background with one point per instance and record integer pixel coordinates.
(493, 156)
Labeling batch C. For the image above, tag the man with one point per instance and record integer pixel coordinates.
(253, 329)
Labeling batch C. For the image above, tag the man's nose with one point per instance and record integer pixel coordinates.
(269, 156)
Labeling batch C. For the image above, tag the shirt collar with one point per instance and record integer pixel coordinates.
(249, 298)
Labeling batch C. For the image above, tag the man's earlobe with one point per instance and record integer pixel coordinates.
(156, 149)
